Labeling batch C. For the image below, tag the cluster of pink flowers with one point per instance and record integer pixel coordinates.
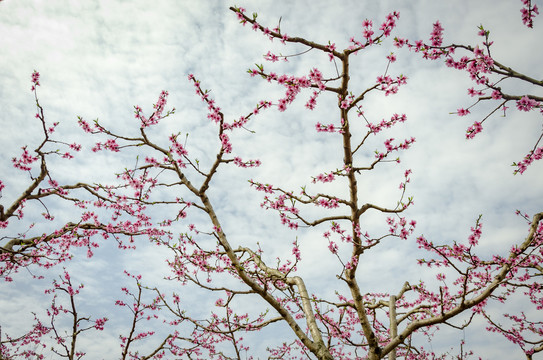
(279, 204)
(332, 246)
(296, 251)
(391, 57)
(390, 147)
(346, 103)
(475, 235)
(390, 23)
(226, 144)
(159, 106)
(328, 203)
(400, 42)
(273, 58)
(24, 160)
(528, 13)
(157, 114)
(389, 85)
(473, 130)
(324, 178)
(331, 48)
(294, 85)
(375, 129)
(287, 221)
(246, 164)
(267, 188)
(86, 127)
(407, 180)
(35, 80)
(462, 112)
(214, 111)
(344, 236)
(109, 144)
(436, 36)
(317, 80)
(472, 92)
(399, 227)
(533, 155)
(271, 34)
(312, 102)
(100, 323)
(367, 31)
(527, 104)
(176, 147)
(326, 128)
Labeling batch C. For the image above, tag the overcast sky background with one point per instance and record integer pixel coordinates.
(98, 59)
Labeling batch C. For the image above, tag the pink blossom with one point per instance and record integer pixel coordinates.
(527, 104)
(528, 13)
(496, 95)
(391, 57)
(436, 37)
(399, 42)
(368, 33)
(332, 246)
(35, 80)
(474, 130)
(367, 23)
(462, 112)
(100, 323)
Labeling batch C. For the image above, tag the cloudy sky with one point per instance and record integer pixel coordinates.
(98, 59)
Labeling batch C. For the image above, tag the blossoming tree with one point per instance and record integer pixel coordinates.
(354, 322)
